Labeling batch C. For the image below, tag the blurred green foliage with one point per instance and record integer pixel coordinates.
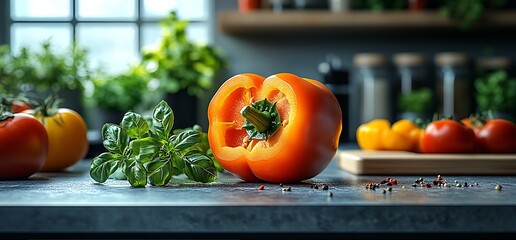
(417, 101)
(180, 64)
(43, 69)
(496, 91)
(122, 92)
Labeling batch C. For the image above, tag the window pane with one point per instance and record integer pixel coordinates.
(107, 9)
(186, 9)
(32, 34)
(41, 9)
(197, 32)
(111, 46)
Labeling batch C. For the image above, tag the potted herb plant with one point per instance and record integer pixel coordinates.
(184, 69)
(415, 105)
(496, 92)
(115, 95)
(47, 71)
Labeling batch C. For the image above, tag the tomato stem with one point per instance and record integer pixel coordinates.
(4, 114)
(262, 119)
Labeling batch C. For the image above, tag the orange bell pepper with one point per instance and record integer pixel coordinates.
(378, 134)
(280, 129)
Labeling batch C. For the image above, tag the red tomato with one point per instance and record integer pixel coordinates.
(23, 146)
(19, 106)
(447, 136)
(498, 136)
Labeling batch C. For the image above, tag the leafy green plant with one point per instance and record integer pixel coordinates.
(380, 5)
(149, 153)
(15, 70)
(417, 101)
(468, 12)
(179, 63)
(496, 91)
(45, 70)
(120, 92)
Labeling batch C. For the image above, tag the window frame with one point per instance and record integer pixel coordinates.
(7, 22)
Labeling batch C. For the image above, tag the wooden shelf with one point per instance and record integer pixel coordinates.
(234, 22)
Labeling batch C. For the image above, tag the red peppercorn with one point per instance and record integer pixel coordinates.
(261, 187)
(435, 182)
(428, 185)
(394, 182)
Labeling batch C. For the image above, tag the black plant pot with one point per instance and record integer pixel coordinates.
(184, 107)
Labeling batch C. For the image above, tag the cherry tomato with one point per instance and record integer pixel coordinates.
(23, 146)
(497, 136)
(447, 136)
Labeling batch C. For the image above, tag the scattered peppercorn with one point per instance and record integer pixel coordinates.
(427, 185)
(383, 182)
(389, 189)
(325, 187)
(465, 184)
(394, 182)
(389, 184)
(261, 187)
(458, 185)
(330, 194)
(439, 177)
(287, 189)
(435, 182)
(414, 185)
(498, 187)
(281, 184)
(384, 191)
(456, 181)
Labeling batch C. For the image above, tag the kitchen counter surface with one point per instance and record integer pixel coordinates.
(71, 202)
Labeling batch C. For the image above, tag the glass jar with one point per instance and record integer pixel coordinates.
(486, 65)
(454, 86)
(372, 81)
(412, 86)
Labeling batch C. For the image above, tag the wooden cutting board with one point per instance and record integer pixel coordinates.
(407, 163)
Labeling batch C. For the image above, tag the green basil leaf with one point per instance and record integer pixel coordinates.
(144, 149)
(115, 138)
(135, 125)
(163, 119)
(159, 171)
(103, 166)
(199, 167)
(136, 174)
(186, 139)
(177, 162)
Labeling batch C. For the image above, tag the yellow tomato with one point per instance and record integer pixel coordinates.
(370, 135)
(378, 134)
(67, 139)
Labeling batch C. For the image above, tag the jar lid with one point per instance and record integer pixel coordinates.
(369, 59)
(493, 63)
(451, 58)
(409, 59)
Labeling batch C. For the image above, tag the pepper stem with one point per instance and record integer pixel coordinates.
(260, 120)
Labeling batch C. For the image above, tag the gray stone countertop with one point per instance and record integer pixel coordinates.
(72, 202)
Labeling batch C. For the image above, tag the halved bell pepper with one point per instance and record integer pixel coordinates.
(280, 129)
(378, 134)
